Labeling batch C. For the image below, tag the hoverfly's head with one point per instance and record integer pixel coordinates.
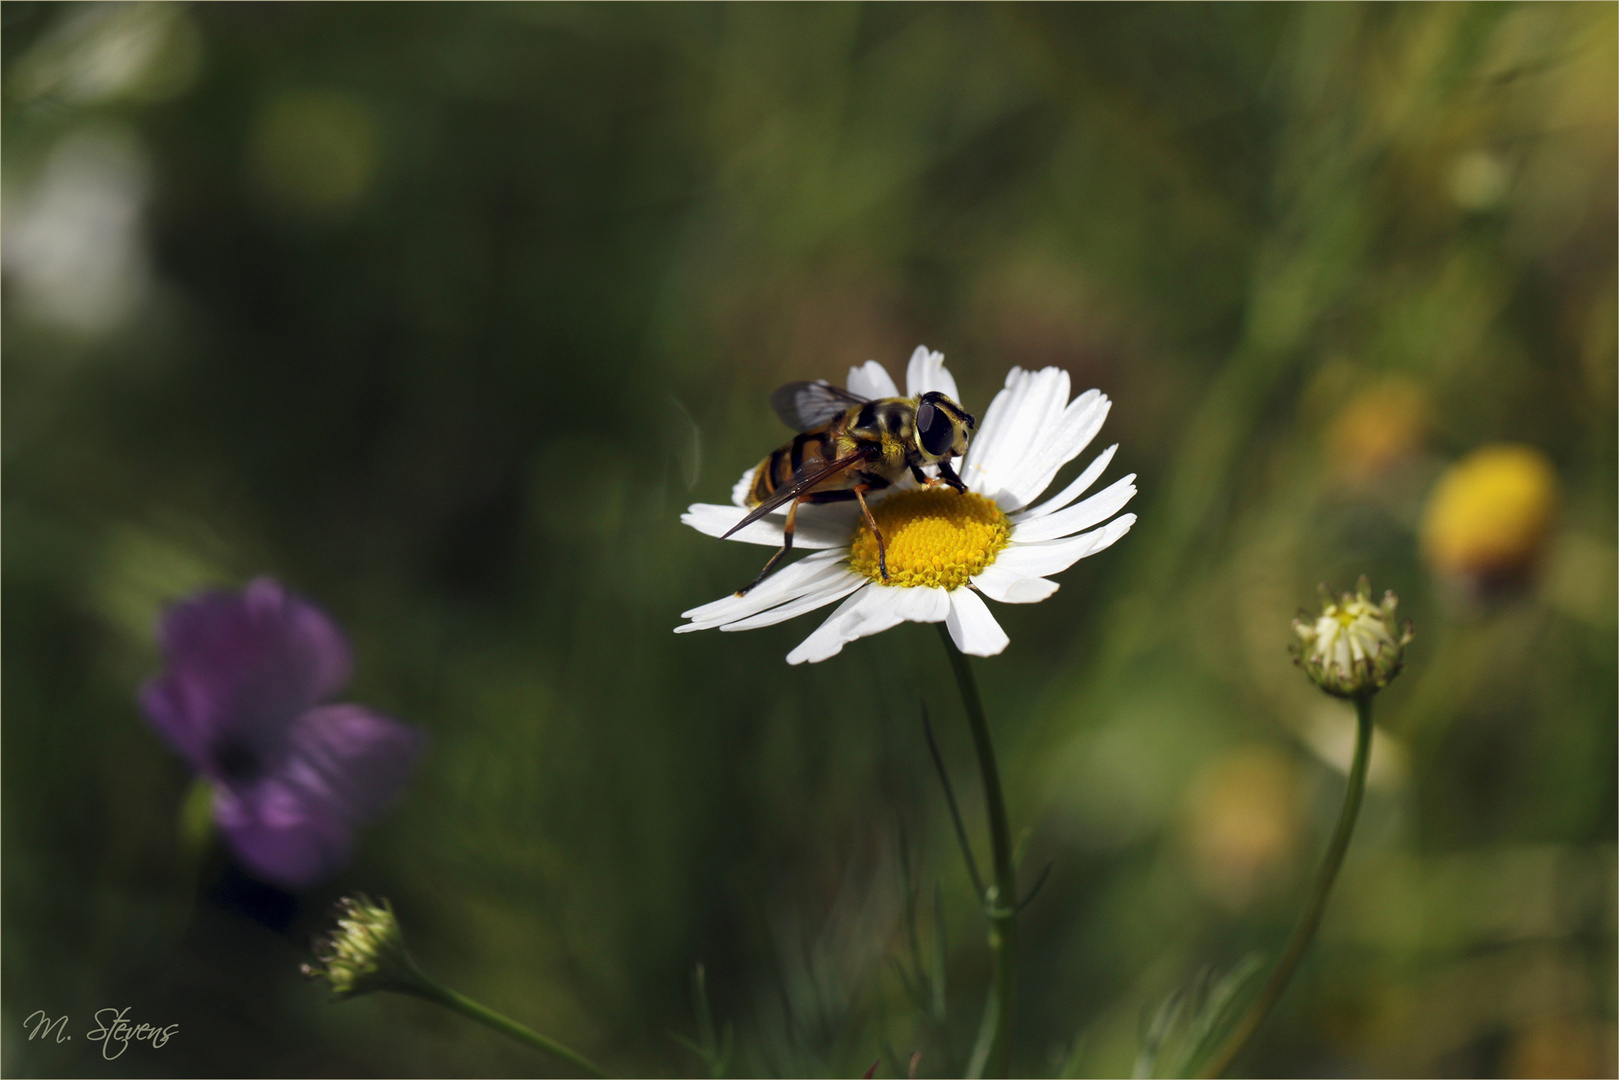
(943, 428)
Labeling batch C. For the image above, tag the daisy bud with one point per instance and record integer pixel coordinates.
(1353, 648)
(365, 951)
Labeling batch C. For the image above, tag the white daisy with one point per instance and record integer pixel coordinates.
(945, 549)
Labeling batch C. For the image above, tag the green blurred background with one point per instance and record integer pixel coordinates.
(442, 314)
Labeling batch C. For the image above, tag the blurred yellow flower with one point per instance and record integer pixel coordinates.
(1489, 515)
(1379, 426)
(1242, 817)
(1561, 1046)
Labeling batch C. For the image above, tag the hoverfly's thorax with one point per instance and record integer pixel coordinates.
(887, 417)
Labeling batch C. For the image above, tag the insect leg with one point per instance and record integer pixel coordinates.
(948, 475)
(882, 547)
(786, 546)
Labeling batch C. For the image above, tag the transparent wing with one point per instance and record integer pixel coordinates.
(806, 405)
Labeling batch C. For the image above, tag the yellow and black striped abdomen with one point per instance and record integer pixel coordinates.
(808, 453)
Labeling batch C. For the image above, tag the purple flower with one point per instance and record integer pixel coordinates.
(241, 701)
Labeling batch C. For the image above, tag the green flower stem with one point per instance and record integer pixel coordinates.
(993, 1052)
(1318, 902)
(464, 1005)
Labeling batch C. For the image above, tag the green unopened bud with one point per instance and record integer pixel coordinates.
(365, 951)
(1354, 648)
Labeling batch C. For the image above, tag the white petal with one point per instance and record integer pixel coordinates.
(785, 584)
(834, 588)
(1062, 438)
(926, 371)
(923, 604)
(972, 627)
(825, 640)
(817, 527)
(871, 380)
(993, 428)
(713, 520)
(1074, 490)
(1010, 587)
(1094, 510)
(1052, 556)
(882, 610)
(869, 611)
(1013, 429)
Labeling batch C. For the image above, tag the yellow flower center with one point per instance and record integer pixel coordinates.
(935, 536)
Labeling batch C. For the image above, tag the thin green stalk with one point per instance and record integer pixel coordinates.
(993, 1051)
(464, 1005)
(950, 801)
(1318, 901)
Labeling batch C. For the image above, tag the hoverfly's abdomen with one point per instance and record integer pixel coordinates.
(762, 485)
(807, 453)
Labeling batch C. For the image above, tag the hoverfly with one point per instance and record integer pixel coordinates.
(848, 445)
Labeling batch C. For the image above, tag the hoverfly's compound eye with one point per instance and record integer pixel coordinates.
(934, 430)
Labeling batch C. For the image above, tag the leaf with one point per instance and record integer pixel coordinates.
(715, 1051)
(1190, 1022)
